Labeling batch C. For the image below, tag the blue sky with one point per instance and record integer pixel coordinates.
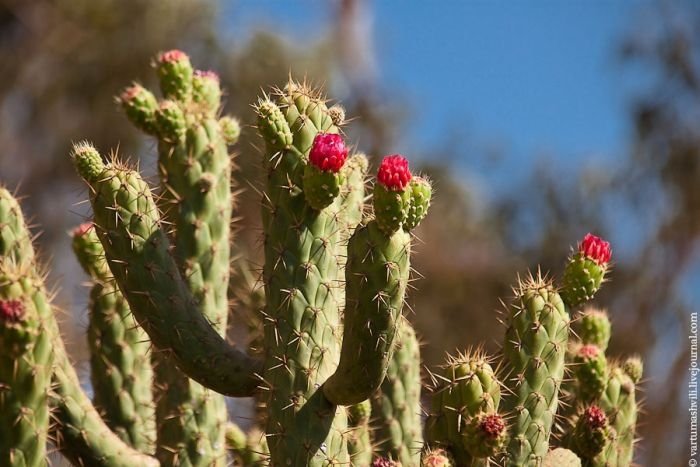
(524, 78)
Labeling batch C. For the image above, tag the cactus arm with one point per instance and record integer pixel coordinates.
(121, 371)
(81, 435)
(138, 254)
(352, 196)
(376, 279)
(25, 367)
(359, 442)
(196, 201)
(396, 408)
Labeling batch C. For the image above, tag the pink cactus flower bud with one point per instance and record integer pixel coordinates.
(394, 173)
(328, 152)
(11, 311)
(172, 56)
(596, 249)
(82, 229)
(492, 426)
(589, 351)
(207, 74)
(130, 93)
(384, 462)
(594, 417)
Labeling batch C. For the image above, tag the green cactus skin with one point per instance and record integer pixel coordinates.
(79, 432)
(591, 371)
(26, 360)
(582, 279)
(140, 106)
(396, 420)
(195, 198)
(535, 347)
(248, 450)
(137, 252)
(321, 187)
(594, 328)
(359, 442)
(620, 406)
(465, 387)
(376, 278)
(391, 207)
(561, 457)
(121, 371)
(352, 195)
(634, 368)
(421, 191)
(301, 273)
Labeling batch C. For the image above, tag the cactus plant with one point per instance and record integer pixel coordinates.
(334, 341)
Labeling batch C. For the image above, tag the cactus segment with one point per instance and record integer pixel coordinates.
(376, 277)
(396, 413)
(390, 207)
(121, 371)
(137, 251)
(359, 443)
(620, 406)
(420, 193)
(535, 346)
(466, 387)
(171, 122)
(206, 91)
(594, 328)
(585, 271)
(591, 369)
(273, 126)
(485, 435)
(140, 106)
(230, 129)
(25, 367)
(175, 74)
(591, 433)
(634, 368)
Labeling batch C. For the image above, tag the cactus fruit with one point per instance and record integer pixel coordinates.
(385, 462)
(591, 433)
(396, 409)
(391, 197)
(586, 270)
(485, 435)
(322, 176)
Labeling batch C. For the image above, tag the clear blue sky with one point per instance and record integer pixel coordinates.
(528, 77)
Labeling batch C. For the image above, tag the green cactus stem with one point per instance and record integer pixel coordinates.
(535, 346)
(591, 371)
(585, 271)
(120, 365)
(594, 328)
(25, 367)
(137, 251)
(359, 443)
(466, 387)
(396, 413)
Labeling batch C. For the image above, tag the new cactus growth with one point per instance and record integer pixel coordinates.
(333, 339)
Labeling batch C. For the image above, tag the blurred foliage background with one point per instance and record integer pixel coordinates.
(62, 60)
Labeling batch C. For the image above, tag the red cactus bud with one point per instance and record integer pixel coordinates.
(328, 152)
(595, 248)
(492, 426)
(130, 93)
(11, 310)
(82, 229)
(172, 56)
(589, 351)
(594, 417)
(394, 173)
(207, 74)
